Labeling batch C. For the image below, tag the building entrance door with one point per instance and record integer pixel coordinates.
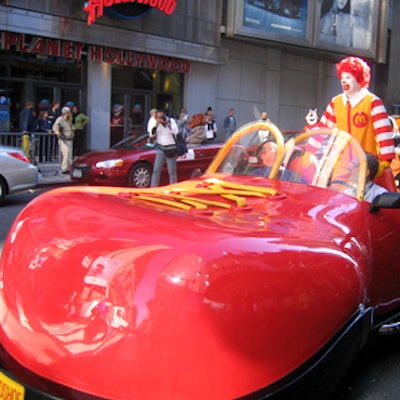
(129, 111)
(62, 93)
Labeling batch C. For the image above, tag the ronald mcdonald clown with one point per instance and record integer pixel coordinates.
(360, 112)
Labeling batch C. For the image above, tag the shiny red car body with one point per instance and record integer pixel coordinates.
(236, 284)
(130, 163)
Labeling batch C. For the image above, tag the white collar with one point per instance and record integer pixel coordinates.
(356, 98)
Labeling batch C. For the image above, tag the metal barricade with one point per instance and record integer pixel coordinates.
(42, 147)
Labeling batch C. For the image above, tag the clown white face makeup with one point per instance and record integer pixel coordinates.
(350, 85)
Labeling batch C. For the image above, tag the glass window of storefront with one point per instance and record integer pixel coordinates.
(33, 77)
(134, 92)
(165, 87)
(40, 67)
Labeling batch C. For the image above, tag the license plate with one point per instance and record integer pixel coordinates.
(77, 173)
(11, 389)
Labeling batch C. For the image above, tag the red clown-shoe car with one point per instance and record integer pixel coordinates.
(130, 163)
(261, 279)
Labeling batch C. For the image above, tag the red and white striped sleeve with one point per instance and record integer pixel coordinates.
(383, 129)
(328, 117)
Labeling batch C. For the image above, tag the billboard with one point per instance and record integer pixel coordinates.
(343, 26)
(348, 26)
(284, 20)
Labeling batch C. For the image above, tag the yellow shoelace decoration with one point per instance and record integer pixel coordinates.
(183, 198)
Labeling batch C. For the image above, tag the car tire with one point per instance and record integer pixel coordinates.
(3, 190)
(140, 175)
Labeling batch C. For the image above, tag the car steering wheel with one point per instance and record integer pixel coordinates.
(343, 183)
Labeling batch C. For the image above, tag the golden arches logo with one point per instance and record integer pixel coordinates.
(360, 119)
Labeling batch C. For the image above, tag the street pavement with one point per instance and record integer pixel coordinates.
(50, 174)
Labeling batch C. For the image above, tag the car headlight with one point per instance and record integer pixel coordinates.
(117, 162)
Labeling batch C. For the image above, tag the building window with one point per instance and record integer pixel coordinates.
(165, 88)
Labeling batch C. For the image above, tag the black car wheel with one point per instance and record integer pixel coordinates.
(140, 175)
(2, 190)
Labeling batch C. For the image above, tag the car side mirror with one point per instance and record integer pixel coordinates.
(385, 200)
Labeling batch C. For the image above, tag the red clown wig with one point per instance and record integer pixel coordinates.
(357, 67)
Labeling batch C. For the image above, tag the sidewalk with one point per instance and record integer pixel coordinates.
(50, 175)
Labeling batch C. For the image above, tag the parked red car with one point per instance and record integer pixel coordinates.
(130, 163)
(261, 279)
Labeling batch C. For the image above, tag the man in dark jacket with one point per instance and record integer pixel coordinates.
(27, 124)
(27, 118)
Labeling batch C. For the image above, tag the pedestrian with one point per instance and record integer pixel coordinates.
(164, 132)
(70, 104)
(264, 117)
(197, 130)
(152, 121)
(54, 111)
(79, 121)
(230, 123)
(183, 127)
(210, 126)
(27, 118)
(44, 104)
(263, 134)
(44, 125)
(182, 110)
(64, 130)
(360, 112)
(28, 125)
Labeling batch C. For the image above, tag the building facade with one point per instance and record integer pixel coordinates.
(118, 59)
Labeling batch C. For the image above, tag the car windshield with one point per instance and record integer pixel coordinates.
(131, 143)
(327, 158)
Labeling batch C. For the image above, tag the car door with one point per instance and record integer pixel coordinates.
(384, 235)
(196, 157)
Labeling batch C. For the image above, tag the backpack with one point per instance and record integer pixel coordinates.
(181, 147)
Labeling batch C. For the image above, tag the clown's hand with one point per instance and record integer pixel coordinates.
(382, 166)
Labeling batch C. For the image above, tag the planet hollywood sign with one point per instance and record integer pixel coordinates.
(125, 8)
(135, 59)
(73, 50)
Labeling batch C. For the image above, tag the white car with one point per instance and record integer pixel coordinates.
(16, 171)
